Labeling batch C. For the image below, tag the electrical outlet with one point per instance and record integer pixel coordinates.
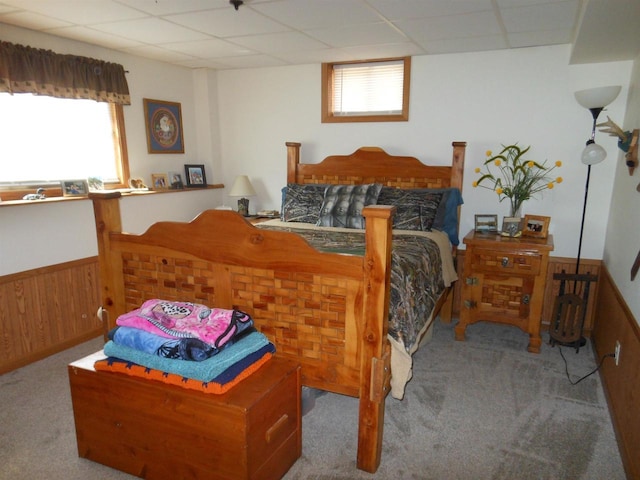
(617, 353)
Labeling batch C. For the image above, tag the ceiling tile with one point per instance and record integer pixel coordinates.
(279, 42)
(362, 34)
(251, 61)
(212, 48)
(426, 30)
(168, 7)
(82, 12)
(471, 44)
(227, 22)
(90, 35)
(411, 9)
(151, 30)
(549, 16)
(530, 39)
(157, 53)
(306, 14)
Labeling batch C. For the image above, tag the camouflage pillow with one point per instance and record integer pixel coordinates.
(343, 204)
(301, 203)
(414, 206)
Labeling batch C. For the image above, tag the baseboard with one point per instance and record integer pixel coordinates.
(615, 322)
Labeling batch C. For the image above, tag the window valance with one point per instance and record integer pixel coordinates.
(25, 69)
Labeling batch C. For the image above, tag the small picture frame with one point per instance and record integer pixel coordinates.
(163, 121)
(486, 223)
(159, 181)
(535, 226)
(175, 181)
(195, 176)
(95, 184)
(511, 227)
(74, 188)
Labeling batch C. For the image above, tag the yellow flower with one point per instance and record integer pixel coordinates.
(477, 169)
(497, 162)
(489, 153)
(559, 180)
(530, 164)
(550, 185)
(499, 190)
(558, 163)
(475, 183)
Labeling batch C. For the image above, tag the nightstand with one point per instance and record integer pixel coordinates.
(504, 282)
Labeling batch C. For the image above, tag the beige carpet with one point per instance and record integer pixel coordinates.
(480, 409)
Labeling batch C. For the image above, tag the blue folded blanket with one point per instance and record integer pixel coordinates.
(204, 370)
(192, 349)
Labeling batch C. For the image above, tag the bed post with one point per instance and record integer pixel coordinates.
(106, 210)
(293, 160)
(375, 368)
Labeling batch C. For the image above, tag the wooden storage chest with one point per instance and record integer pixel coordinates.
(155, 431)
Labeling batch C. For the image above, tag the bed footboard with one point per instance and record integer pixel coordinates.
(328, 312)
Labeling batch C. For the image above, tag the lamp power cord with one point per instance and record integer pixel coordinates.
(566, 366)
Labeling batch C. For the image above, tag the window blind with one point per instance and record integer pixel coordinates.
(373, 88)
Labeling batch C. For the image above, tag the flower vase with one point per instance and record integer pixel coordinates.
(512, 225)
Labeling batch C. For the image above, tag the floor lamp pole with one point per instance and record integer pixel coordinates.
(584, 211)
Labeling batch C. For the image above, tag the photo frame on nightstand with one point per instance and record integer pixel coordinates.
(535, 226)
(486, 223)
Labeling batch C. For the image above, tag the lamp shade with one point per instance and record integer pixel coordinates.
(593, 153)
(242, 187)
(598, 97)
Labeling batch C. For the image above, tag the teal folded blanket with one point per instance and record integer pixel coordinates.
(204, 370)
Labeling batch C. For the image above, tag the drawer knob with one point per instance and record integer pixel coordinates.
(470, 304)
(526, 299)
(471, 280)
(505, 261)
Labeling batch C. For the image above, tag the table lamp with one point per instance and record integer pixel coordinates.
(242, 188)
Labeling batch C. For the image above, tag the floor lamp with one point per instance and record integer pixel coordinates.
(570, 309)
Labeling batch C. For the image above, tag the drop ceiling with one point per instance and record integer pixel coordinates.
(213, 34)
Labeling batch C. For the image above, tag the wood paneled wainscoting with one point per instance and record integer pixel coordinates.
(615, 322)
(46, 310)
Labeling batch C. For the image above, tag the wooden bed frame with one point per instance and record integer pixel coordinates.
(328, 312)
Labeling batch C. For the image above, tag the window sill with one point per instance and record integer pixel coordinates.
(123, 192)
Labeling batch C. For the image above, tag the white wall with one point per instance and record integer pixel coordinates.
(32, 235)
(623, 230)
(487, 99)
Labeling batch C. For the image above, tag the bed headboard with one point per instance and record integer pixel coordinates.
(374, 165)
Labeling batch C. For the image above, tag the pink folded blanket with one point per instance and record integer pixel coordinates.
(215, 326)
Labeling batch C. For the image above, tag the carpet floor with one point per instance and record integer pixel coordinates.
(480, 409)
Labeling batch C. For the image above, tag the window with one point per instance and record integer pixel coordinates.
(366, 91)
(48, 139)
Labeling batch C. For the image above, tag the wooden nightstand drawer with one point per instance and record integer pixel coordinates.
(487, 260)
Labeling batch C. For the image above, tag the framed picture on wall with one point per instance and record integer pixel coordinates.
(163, 122)
(195, 175)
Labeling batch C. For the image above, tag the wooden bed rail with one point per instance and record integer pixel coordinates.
(221, 260)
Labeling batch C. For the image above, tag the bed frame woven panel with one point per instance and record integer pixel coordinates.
(306, 316)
